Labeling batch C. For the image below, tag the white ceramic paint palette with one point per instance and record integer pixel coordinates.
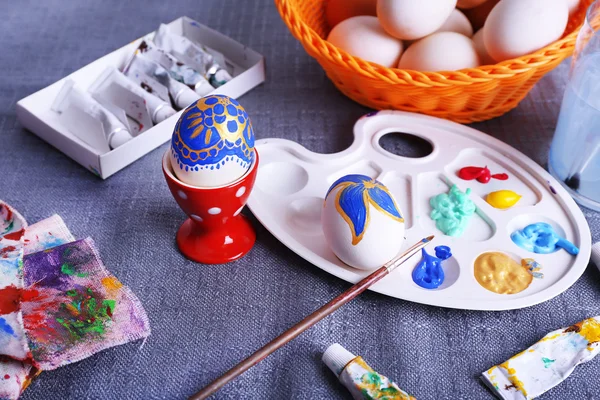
(292, 183)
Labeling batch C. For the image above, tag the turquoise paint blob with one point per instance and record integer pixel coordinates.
(429, 273)
(541, 238)
(452, 211)
(547, 362)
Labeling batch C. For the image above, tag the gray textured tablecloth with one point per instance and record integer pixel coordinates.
(207, 318)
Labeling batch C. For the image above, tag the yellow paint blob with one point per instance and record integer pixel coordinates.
(499, 273)
(111, 284)
(512, 377)
(589, 329)
(503, 199)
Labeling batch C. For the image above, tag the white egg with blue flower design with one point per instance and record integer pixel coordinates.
(362, 222)
(213, 142)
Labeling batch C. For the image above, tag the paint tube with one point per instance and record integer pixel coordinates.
(69, 97)
(158, 109)
(178, 70)
(147, 73)
(201, 58)
(547, 363)
(360, 379)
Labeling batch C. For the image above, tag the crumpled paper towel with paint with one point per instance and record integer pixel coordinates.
(58, 303)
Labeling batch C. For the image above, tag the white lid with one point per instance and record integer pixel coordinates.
(203, 87)
(186, 97)
(163, 113)
(118, 138)
(336, 358)
(596, 254)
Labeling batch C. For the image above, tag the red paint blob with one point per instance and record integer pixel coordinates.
(8, 213)
(4, 252)
(7, 376)
(35, 320)
(29, 294)
(469, 173)
(482, 175)
(14, 235)
(10, 299)
(500, 177)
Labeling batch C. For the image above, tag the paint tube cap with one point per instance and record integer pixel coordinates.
(185, 97)
(596, 254)
(336, 358)
(203, 87)
(119, 137)
(163, 113)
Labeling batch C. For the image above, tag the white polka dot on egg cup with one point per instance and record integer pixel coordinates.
(216, 232)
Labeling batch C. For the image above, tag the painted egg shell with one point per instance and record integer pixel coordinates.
(362, 222)
(213, 142)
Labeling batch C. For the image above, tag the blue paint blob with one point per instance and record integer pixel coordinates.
(219, 109)
(232, 110)
(541, 238)
(429, 273)
(232, 126)
(5, 327)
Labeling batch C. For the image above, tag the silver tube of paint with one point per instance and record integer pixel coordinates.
(177, 70)
(140, 65)
(199, 57)
(116, 133)
(159, 109)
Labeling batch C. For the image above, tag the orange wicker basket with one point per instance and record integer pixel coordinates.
(468, 95)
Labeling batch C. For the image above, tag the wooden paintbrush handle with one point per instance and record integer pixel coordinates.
(291, 333)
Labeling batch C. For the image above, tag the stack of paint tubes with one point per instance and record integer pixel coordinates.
(165, 74)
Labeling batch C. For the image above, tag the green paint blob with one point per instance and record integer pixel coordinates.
(87, 313)
(547, 362)
(69, 269)
(372, 378)
(452, 211)
(9, 227)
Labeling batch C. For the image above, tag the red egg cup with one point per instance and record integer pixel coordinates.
(215, 232)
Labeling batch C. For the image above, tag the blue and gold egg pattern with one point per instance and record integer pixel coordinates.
(214, 130)
(352, 202)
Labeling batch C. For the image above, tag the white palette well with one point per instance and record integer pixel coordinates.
(292, 182)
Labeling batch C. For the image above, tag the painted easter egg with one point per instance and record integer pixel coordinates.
(213, 142)
(362, 222)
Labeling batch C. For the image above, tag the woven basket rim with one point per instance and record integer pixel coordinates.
(559, 49)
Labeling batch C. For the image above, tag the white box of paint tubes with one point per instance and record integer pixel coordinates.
(36, 114)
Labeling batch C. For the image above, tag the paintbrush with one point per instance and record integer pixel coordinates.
(309, 321)
(574, 179)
